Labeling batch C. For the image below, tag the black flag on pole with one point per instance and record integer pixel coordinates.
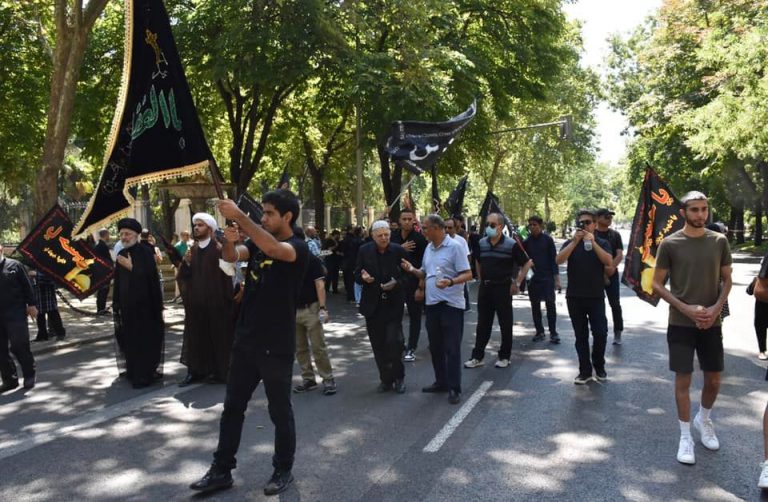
(251, 207)
(657, 215)
(285, 180)
(71, 264)
(491, 205)
(416, 146)
(156, 133)
(454, 204)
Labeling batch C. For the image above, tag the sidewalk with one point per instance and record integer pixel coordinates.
(84, 328)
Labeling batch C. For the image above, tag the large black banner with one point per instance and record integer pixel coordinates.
(156, 133)
(416, 146)
(454, 204)
(491, 205)
(72, 264)
(657, 215)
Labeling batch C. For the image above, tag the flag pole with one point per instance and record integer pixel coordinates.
(216, 177)
(402, 192)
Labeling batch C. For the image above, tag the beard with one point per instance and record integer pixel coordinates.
(695, 223)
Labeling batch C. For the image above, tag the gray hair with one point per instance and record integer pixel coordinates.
(435, 220)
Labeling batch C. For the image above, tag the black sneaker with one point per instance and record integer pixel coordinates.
(601, 375)
(214, 479)
(384, 387)
(305, 386)
(582, 379)
(9, 385)
(538, 337)
(329, 387)
(278, 483)
(554, 338)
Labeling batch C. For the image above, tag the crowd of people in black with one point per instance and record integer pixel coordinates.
(255, 296)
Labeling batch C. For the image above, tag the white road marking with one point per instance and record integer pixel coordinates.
(27, 441)
(449, 428)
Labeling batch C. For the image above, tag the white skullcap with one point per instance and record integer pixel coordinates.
(378, 224)
(207, 219)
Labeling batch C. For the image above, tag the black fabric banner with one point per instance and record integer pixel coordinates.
(491, 205)
(657, 215)
(251, 207)
(72, 264)
(156, 133)
(416, 146)
(285, 180)
(454, 204)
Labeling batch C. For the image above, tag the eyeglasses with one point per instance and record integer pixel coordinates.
(585, 222)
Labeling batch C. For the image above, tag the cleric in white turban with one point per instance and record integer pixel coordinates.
(207, 219)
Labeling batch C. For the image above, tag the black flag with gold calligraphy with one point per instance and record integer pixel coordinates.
(156, 133)
(657, 215)
(71, 264)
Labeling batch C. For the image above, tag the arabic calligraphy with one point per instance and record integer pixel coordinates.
(663, 197)
(151, 40)
(146, 119)
(51, 233)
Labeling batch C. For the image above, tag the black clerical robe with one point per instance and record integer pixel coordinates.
(209, 313)
(138, 315)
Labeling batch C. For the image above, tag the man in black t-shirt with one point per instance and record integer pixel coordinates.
(265, 335)
(414, 244)
(587, 256)
(604, 220)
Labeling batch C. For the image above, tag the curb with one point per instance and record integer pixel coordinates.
(83, 341)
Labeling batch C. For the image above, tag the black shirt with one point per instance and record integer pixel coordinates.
(542, 251)
(585, 271)
(308, 293)
(613, 238)
(15, 288)
(417, 254)
(268, 311)
(500, 262)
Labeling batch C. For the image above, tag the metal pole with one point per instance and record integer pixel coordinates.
(359, 169)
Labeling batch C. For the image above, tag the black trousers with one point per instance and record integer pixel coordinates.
(589, 313)
(613, 293)
(414, 316)
(538, 292)
(761, 324)
(349, 283)
(101, 298)
(250, 365)
(15, 332)
(493, 300)
(54, 326)
(386, 336)
(332, 264)
(445, 328)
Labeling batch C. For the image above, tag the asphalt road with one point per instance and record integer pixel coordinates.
(81, 434)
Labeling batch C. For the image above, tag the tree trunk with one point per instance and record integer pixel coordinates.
(72, 31)
(436, 206)
(169, 204)
(392, 181)
(318, 194)
(758, 232)
(736, 223)
(547, 211)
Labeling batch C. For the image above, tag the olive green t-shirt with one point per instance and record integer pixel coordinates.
(694, 270)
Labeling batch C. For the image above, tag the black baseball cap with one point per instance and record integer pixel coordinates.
(604, 212)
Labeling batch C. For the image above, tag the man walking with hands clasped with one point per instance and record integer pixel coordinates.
(698, 264)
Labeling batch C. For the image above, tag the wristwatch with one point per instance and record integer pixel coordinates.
(451, 281)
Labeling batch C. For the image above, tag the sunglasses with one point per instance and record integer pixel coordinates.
(585, 222)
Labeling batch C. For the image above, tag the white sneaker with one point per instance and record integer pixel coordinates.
(409, 357)
(685, 453)
(473, 363)
(763, 481)
(707, 431)
(763, 356)
(502, 363)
